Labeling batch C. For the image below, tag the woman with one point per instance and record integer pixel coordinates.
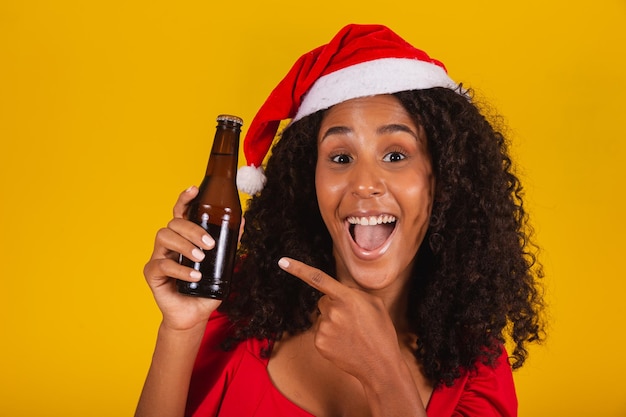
(385, 259)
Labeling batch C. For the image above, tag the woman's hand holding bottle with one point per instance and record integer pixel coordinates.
(180, 312)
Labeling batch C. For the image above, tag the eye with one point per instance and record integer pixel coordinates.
(341, 158)
(394, 157)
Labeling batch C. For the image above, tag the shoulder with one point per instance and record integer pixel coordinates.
(487, 391)
(212, 352)
(215, 367)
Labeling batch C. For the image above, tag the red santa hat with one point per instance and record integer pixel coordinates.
(360, 61)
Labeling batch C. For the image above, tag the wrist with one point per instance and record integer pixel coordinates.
(168, 328)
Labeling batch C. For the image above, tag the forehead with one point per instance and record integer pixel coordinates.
(380, 113)
(382, 105)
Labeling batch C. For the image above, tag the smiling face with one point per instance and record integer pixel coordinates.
(374, 186)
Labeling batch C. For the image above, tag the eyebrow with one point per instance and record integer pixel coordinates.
(391, 128)
(336, 130)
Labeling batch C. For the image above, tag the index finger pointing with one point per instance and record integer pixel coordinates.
(312, 276)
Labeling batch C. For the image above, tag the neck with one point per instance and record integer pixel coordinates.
(396, 302)
(395, 297)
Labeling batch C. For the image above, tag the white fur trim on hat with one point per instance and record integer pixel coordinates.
(250, 179)
(380, 76)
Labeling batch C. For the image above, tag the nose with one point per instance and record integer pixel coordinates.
(367, 181)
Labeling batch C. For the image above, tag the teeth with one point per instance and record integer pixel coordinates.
(372, 220)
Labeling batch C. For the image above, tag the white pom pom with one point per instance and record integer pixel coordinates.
(250, 179)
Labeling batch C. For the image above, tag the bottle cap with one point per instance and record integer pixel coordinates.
(230, 118)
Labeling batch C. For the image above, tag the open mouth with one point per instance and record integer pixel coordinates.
(371, 232)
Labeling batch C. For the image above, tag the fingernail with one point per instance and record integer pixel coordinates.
(188, 190)
(207, 240)
(195, 274)
(198, 254)
(283, 263)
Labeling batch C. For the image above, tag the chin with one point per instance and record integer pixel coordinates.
(374, 277)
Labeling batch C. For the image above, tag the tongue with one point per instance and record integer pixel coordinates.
(371, 237)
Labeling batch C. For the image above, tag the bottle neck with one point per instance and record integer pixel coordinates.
(224, 152)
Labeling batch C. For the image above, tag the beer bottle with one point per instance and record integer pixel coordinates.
(218, 210)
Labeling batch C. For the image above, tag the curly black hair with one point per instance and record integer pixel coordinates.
(475, 285)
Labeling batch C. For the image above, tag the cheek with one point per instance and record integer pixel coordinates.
(320, 187)
(417, 196)
(326, 194)
(329, 185)
(431, 192)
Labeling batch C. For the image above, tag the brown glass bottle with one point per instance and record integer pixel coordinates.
(218, 210)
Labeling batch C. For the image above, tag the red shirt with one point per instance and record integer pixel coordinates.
(235, 383)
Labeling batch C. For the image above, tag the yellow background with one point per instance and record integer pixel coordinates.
(107, 109)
